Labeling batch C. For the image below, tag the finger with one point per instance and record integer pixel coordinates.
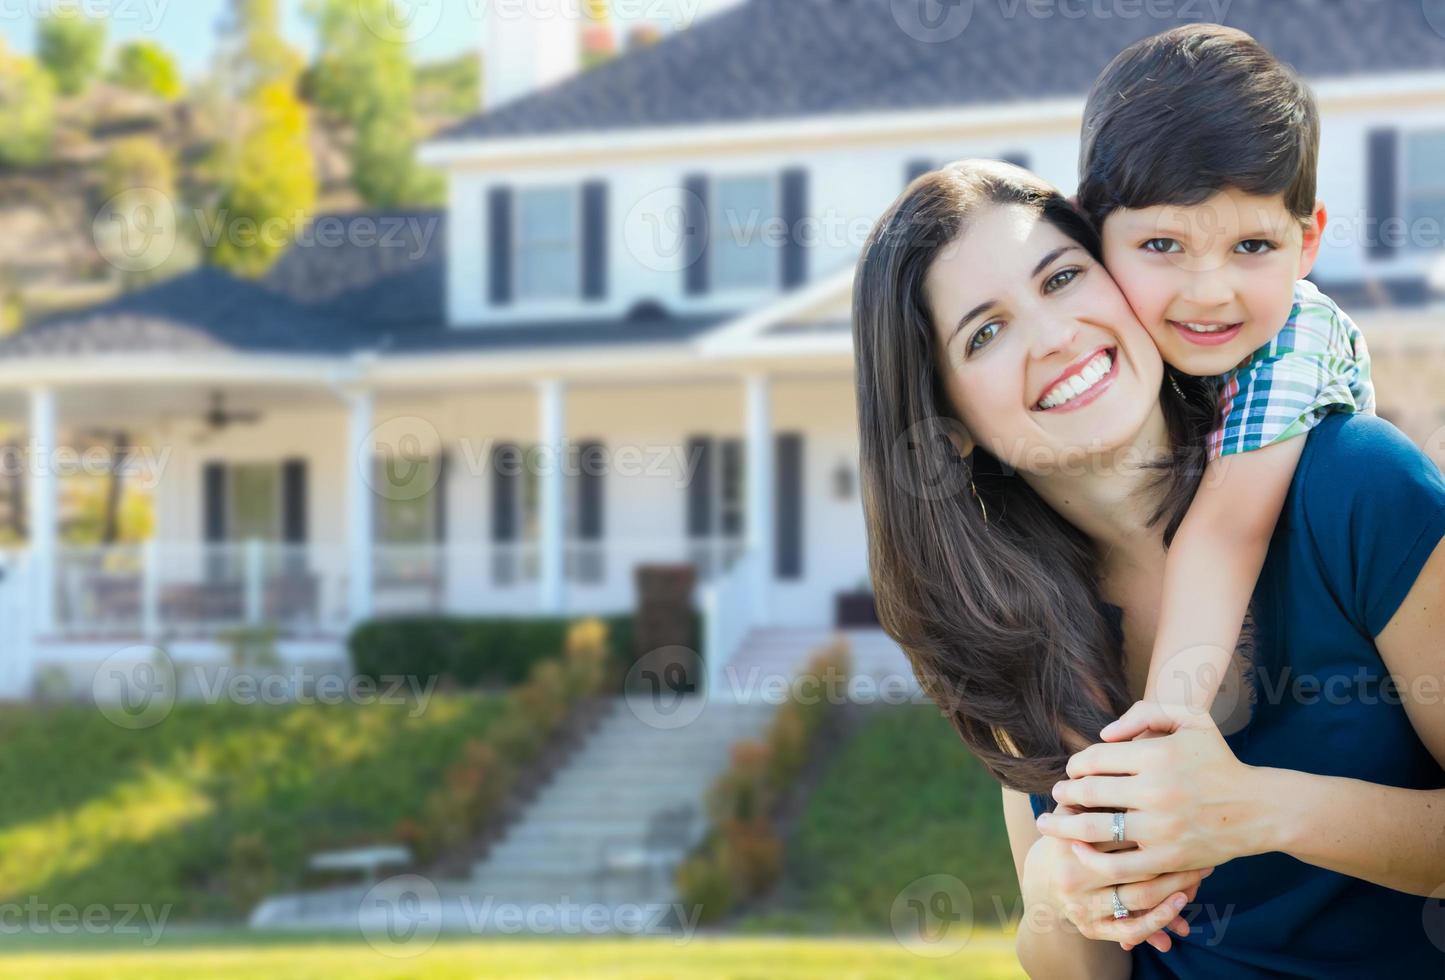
(1101, 792)
(1148, 894)
(1092, 828)
(1110, 758)
(1138, 929)
(1142, 716)
(1120, 867)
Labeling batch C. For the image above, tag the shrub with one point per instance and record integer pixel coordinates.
(705, 884)
(486, 651)
(250, 873)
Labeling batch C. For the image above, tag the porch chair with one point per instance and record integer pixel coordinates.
(669, 836)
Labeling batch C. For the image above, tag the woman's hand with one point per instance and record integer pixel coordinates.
(1070, 889)
(1189, 802)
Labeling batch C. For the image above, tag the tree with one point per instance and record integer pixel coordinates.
(257, 54)
(144, 66)
(70, 47)
(272, 186)
(27, 110)
(363, 77)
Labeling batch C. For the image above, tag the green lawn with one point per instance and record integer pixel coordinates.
(95, 814)
(986, 957)
(903, 801)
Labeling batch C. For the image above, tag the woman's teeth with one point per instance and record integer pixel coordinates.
(1067, 391)
(1205, 327)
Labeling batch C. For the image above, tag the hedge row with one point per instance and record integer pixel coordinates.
(479, 651)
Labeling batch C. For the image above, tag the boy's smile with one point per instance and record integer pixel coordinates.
(1211, 282)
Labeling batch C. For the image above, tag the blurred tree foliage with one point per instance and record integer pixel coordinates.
(363, 77)
(137, 161)
(70, 47)
(272, 186)
(449, 88)
(144, 66)
(27, 110)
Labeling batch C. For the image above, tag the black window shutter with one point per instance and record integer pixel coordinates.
(499, 245)
(506, 485)
(695, 233)
(795, 210)
(293, 497)
(788, 557)
(594, 240)
(915, 169)
(699, 490)
(1017, 159)
(591, 470)
(1382, 156)
(439, 495)
(213, 501)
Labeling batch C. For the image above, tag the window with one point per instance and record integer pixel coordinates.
(406, 500)
(547, 247)
(255, 502)
(1424, 180)
(740, 225)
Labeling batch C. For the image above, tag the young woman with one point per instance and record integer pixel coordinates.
(1017, 553)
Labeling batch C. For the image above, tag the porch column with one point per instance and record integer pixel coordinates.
(552, 434)
(359, 504)
(760, 491)
(42, 505)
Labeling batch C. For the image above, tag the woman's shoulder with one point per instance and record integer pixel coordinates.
(1350, 453)
(1371, 506)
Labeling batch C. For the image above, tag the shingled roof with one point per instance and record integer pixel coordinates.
(778, 59)
(373, 281)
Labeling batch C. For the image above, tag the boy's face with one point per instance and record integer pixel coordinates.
(1211, 282)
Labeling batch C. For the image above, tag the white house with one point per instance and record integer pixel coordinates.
(627, 337)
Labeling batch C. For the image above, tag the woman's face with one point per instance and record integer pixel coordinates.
(1041, 355)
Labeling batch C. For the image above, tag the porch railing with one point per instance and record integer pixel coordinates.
(158, 588)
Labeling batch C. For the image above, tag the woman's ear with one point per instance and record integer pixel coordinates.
(963, 443)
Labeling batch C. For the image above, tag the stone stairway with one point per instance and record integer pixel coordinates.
(632, 766)
(783, 651)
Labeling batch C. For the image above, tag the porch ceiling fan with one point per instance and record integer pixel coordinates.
(217, 417)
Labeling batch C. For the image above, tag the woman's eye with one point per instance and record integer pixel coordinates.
(1162, 245)
(1061, 278)
(1254, 246)
(983, 335)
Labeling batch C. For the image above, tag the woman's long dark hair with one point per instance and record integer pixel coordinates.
(1000, 615)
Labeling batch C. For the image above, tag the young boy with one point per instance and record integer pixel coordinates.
(1198, 166)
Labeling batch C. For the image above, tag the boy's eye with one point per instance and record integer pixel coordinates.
(1254, 246)
(1061, 278)
(983, 335)
(1162, 245)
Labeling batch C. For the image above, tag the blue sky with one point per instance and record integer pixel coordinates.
(188, 27)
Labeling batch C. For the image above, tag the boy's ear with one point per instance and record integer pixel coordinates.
(1314, 233)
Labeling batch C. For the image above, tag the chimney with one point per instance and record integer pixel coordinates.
(528, 47)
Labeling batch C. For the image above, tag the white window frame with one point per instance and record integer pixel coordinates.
(774, 280)
(519, 295)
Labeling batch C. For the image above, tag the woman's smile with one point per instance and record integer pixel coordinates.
(1082, 383)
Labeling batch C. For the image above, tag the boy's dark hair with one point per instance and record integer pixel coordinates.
(1179, 116)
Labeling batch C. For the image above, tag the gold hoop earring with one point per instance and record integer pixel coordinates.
(1178, 390)
(976, 497)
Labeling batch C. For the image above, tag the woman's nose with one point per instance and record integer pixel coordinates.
(1055, 334)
